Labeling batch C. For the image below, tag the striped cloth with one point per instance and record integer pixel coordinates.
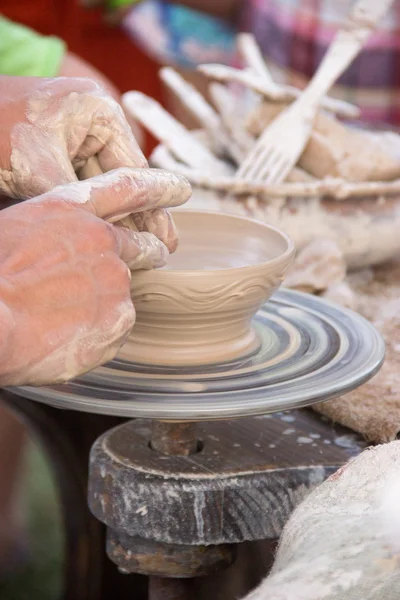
(293, 34)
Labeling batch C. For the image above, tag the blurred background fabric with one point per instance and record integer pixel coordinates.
(87, 34)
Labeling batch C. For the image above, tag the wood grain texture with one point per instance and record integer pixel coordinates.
(136, 555)
(243, 485)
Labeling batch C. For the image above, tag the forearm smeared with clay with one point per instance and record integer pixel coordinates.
(65, 303)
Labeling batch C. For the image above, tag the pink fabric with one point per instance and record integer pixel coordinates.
(295, 34)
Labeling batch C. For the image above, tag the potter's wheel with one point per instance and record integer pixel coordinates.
(311, 351)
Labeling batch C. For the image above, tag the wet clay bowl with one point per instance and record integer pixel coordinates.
(198, 309)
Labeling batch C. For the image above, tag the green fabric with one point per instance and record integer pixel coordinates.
(25, 52)
(114, 4)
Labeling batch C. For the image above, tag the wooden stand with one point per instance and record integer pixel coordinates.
(177, 499)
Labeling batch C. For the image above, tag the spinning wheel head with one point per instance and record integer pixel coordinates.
(310, 351)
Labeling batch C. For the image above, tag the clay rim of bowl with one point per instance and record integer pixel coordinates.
(284, 257)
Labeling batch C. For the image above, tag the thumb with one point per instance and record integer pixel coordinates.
(124, 191)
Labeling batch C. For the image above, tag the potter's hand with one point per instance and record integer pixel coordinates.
(53, 129)
(65, 303)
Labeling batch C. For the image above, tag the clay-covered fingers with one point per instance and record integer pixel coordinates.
(140, 250)
(122, 192)
(149, 192)
(71, 120)
(93, 124)
(158, 222)
(111, 138)
(138, 199)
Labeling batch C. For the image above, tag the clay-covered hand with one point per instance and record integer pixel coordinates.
(55, 131)
(51, 128)
(65, 304)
